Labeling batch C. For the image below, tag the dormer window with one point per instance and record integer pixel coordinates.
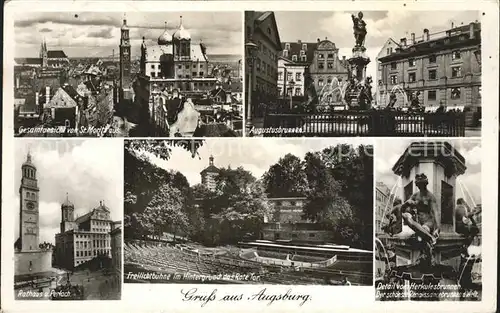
(455, 55)
(302, 52)
(304, 46)
(287, 46)
(294, 58)
(303, 58)
(285, 53)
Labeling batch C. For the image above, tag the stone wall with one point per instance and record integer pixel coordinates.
(39, 261)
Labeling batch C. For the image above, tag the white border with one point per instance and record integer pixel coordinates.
(155, 298)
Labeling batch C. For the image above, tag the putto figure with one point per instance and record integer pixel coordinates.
(359, 27)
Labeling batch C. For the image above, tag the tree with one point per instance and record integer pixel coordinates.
(286, 178)
(165, 211)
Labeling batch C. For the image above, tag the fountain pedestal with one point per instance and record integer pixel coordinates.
(441, 163)
(357, 75)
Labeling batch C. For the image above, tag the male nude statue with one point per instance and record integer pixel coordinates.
(423, 202)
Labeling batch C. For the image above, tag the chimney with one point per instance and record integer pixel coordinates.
(471, 30)
(426, 34)
(403, 42)
(343, 58)
(452, 25)
(47, 95)
(299, 41)
(413, 38)
(37, 98)
(319, 40)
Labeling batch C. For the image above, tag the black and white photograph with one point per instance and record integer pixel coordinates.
(68, 225)
(428, 221)
(128, 74)
(364, 73)
(251, 211)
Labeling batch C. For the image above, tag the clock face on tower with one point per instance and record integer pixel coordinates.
(30, 206)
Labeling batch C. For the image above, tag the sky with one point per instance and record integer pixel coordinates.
(381, 25)
(91, 34)
(254, 155)
(388, 152)
(88, 170)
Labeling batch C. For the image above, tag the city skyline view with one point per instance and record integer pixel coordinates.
(381, 25)
(96, 34)
(73, 168)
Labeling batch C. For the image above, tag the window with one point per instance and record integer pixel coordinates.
(280, 75)
(320, 83)
(330, 55)
(321, 56)
(285, 53)
(412, 62)
(330, 65)
(321, 65)
(280, 90)
(455, 93)
(394, 65)
(456, 71)
(193, 74)
(431, 95)
(329, 80)
(289, 76)
(304, 46)
(152, 66)
(201, 74)
(303, 58)
(455, 55)
(77, 253)
(432, 74)
(412, 77)
(294, 58)
(432, 59)
(298, 92)
(394, 79)
(302, 52)
(179, 66)
(298, 77)
(294, 235)
(312, 235)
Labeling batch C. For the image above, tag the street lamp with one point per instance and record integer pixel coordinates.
(250, 48)
(291, 84)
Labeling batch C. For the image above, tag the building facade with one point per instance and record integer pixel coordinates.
(84, 238)
(388, 48)
(261, 29)
(291, 78)
(323, 68)
(209, 175)
(116, 249)
(444, 68)
(286, 222)
(29, 258)
(382, 205)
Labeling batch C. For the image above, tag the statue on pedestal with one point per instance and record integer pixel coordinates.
(420, 214)
(359, 27)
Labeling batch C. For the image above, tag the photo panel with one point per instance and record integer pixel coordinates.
(428, 221)
(276, 211)
(68, 221)
(128, 74)
(368, 73)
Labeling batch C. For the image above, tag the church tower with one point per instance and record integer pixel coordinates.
(124, 58)
(67, 216)
(44, 54)
(182, 43)
(28, 202)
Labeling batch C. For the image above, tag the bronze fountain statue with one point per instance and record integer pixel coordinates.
(359, 27)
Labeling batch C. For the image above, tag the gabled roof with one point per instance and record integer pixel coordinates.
(261, 17)
(295, 48)
(56, 54)
(28, 61)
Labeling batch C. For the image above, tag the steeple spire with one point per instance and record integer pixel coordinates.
(181, 22)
